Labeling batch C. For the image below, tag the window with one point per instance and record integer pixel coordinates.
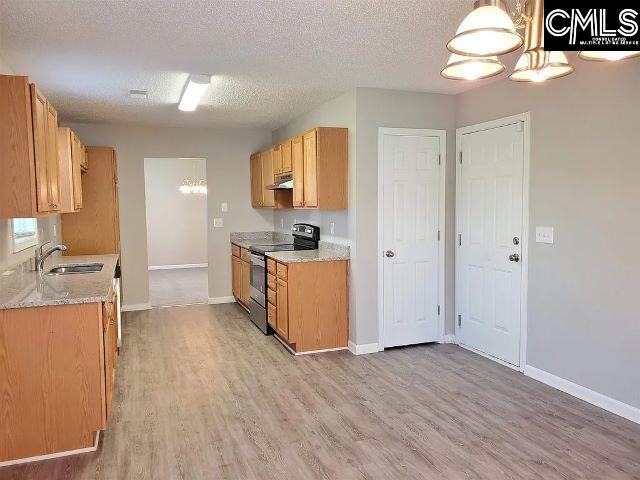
(24, 233)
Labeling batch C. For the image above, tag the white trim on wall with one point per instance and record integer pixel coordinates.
(583, 393)
(49, 456)
(364, 348)
(175, 267)
(442, 135)
(136, 307)
(219, 300)
(526, 119)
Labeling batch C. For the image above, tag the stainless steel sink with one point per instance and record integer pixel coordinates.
(76, 268)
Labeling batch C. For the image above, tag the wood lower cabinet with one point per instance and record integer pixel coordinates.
(241, 275)
(56, 376)
(30, 185)
(308, 304)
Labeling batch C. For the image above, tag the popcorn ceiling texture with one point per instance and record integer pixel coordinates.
(272, 60)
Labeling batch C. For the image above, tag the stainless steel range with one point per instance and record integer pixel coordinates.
(305, 237)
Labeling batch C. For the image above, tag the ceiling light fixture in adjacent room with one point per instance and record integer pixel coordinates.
(471, 68)
(193, 92)
(193, 185)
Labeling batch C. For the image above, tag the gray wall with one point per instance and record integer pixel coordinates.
(339, 112)
(227, 153)
(584, 324)
(176, 222)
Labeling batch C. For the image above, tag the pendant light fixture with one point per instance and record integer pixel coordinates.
(536, 64)
(607, 56)
(471, 68)
(487, 31)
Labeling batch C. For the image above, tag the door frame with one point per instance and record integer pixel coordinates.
(442, 137)
(524, 286)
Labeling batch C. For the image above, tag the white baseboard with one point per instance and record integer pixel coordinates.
(175, 267)
(448, 338)
(364, 348)
(218, 300)
(50, 456)
(136, 307)
(599, 400)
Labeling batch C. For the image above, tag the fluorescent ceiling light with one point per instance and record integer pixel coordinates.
(192, 94)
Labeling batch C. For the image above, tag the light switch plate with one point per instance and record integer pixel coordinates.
(218, 222)
(332, 227)
(282, 222)
(544, 235)
(224, 208)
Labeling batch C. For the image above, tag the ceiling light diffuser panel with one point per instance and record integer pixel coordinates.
(197, 85)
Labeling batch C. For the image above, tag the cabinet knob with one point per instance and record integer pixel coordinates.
(53, 205)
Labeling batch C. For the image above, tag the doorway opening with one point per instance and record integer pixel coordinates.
(176, 212)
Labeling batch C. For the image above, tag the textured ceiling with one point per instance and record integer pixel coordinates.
(271, 60)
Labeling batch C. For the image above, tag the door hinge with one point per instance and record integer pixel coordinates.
(459, 320)
(439, 158)
(438, 235)
(438, 309)
(460, 239)
(460, 157)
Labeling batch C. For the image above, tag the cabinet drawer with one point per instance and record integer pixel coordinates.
(271, 296)
(235, 250)
(271, 315)
(245, 255)
(271, 281)
(282, 271)
(271, 266)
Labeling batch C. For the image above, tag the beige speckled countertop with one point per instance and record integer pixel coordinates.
(32, 289)
(298, 256)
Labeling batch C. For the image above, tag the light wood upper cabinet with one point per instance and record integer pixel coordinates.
(256, 180)
(297, 157)
(319, 162)
(30, 184)
(277, 159)
(268, 199)
(84, 164)
(70, 155)
(310, 176)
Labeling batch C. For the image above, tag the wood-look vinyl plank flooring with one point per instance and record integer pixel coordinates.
(203, 394)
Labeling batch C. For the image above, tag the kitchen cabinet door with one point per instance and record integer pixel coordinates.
(245, 296)
(310, 188)
(286, 157)
(110, 328)
(268, 198)
(52, 165)
(282, 310)
(297, 159)
(39, 115)
(277, 159)
(84, 165)
(77, 157)
(272, 316)
(256, 180)
(236, 274)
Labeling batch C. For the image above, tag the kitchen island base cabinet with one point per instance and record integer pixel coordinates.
(56, 367)
(311, 307)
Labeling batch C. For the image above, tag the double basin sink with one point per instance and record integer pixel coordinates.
(76, 268)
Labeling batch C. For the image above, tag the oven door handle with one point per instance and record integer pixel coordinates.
(257, 260)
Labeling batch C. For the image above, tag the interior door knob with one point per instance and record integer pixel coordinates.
(514, 257)
(390, 253)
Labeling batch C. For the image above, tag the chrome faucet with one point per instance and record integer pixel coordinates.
(41, 256)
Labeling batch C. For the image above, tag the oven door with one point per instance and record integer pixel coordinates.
(258, 279)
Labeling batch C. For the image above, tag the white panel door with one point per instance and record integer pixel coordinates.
(490, 227)
(410, 193)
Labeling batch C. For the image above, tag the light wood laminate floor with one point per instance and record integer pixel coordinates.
(202, 394)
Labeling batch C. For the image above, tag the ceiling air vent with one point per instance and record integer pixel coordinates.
(139, 94)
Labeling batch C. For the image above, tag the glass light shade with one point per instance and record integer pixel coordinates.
(555, 65)
(607, 56)
(192, 185)
(471, 68)
(487, 31)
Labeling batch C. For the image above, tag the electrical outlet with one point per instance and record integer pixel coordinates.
(218, 222)
(544, 235)
(282, 222)
(332, 228)
(54, 231)
(224, 208)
